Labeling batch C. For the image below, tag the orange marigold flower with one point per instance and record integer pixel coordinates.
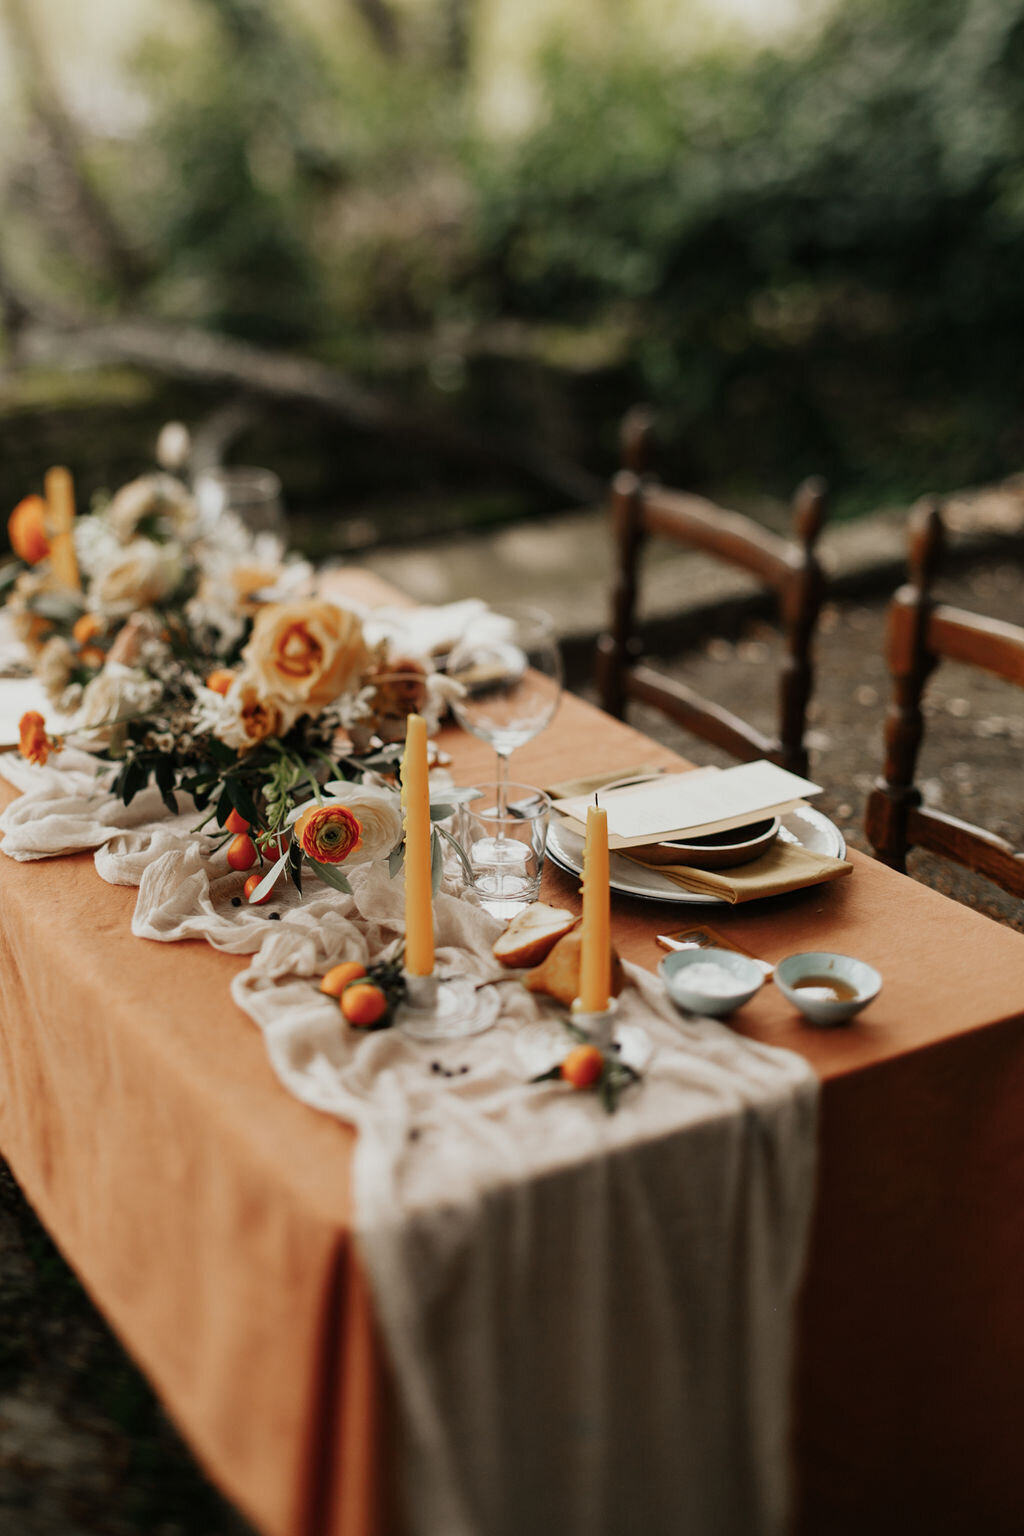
(32, 741)
(328, 833)
(26, 529)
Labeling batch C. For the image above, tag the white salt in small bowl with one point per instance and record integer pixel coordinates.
(710, 981)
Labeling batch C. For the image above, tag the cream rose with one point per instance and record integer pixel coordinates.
(306, 654)
(151, 496)
(31, 628)
(140, 628)
(141, 575)
(114, 695)
(54, 665)
(247, 716)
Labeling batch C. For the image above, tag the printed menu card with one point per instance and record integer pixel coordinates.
(691, 804)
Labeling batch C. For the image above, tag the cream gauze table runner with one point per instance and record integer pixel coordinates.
(589, 1317)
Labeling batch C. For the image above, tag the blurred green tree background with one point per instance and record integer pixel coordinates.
(806, 249)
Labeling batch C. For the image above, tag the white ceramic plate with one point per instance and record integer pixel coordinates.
(804, 825)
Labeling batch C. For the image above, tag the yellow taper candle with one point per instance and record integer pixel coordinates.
(596, 951)
(60, 506)
(419, 909)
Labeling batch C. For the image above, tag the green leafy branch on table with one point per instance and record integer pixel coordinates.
(587, 1066)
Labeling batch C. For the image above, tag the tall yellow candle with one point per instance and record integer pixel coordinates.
(419, 910)
(60, 505)
(596, 951)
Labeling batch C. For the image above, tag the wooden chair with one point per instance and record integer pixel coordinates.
(921, 632)
(641, 507)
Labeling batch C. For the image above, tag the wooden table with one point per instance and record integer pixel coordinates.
(209, 1214)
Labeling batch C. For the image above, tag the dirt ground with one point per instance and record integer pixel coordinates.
(85, 1449)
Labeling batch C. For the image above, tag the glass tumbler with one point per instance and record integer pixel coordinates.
(506, 852)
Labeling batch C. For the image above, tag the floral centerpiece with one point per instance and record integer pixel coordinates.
(194, 655)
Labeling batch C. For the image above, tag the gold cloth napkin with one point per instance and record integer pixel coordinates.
(785, 867)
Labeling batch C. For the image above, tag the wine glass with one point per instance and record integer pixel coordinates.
(253, 495)
(510, 668)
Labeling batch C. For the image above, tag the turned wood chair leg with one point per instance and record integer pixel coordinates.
(801, 605)
(616, 649)
(910, 666)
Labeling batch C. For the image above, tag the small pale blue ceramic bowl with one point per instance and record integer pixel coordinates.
(723, 982)
(842, 972)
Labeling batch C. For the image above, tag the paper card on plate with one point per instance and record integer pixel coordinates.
(17, 696)
(698, 802)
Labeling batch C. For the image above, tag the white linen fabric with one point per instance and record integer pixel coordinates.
(66, 807)
(589, 1316)
(424, 631)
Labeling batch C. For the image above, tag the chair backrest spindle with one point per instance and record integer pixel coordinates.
(920, 634)
(641, 507)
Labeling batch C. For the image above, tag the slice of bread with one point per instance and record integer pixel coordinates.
(532, 934)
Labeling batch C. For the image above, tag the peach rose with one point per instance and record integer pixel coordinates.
(250, 716)
(306, 654)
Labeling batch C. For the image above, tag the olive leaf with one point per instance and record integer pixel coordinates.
(269, 880)
(331, 876)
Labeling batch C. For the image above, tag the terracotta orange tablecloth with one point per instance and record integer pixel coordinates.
(209, 1214)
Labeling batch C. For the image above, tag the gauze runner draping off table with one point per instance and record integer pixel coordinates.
(237, 1285)
(589, 1318)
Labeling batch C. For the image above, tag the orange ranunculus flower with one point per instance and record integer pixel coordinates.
(306, 654)
(26, 529)
(328, 833)
(32, 741)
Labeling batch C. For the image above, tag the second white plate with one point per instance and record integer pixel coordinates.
(804, 825)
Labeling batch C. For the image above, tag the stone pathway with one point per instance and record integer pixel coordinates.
(565, 563)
